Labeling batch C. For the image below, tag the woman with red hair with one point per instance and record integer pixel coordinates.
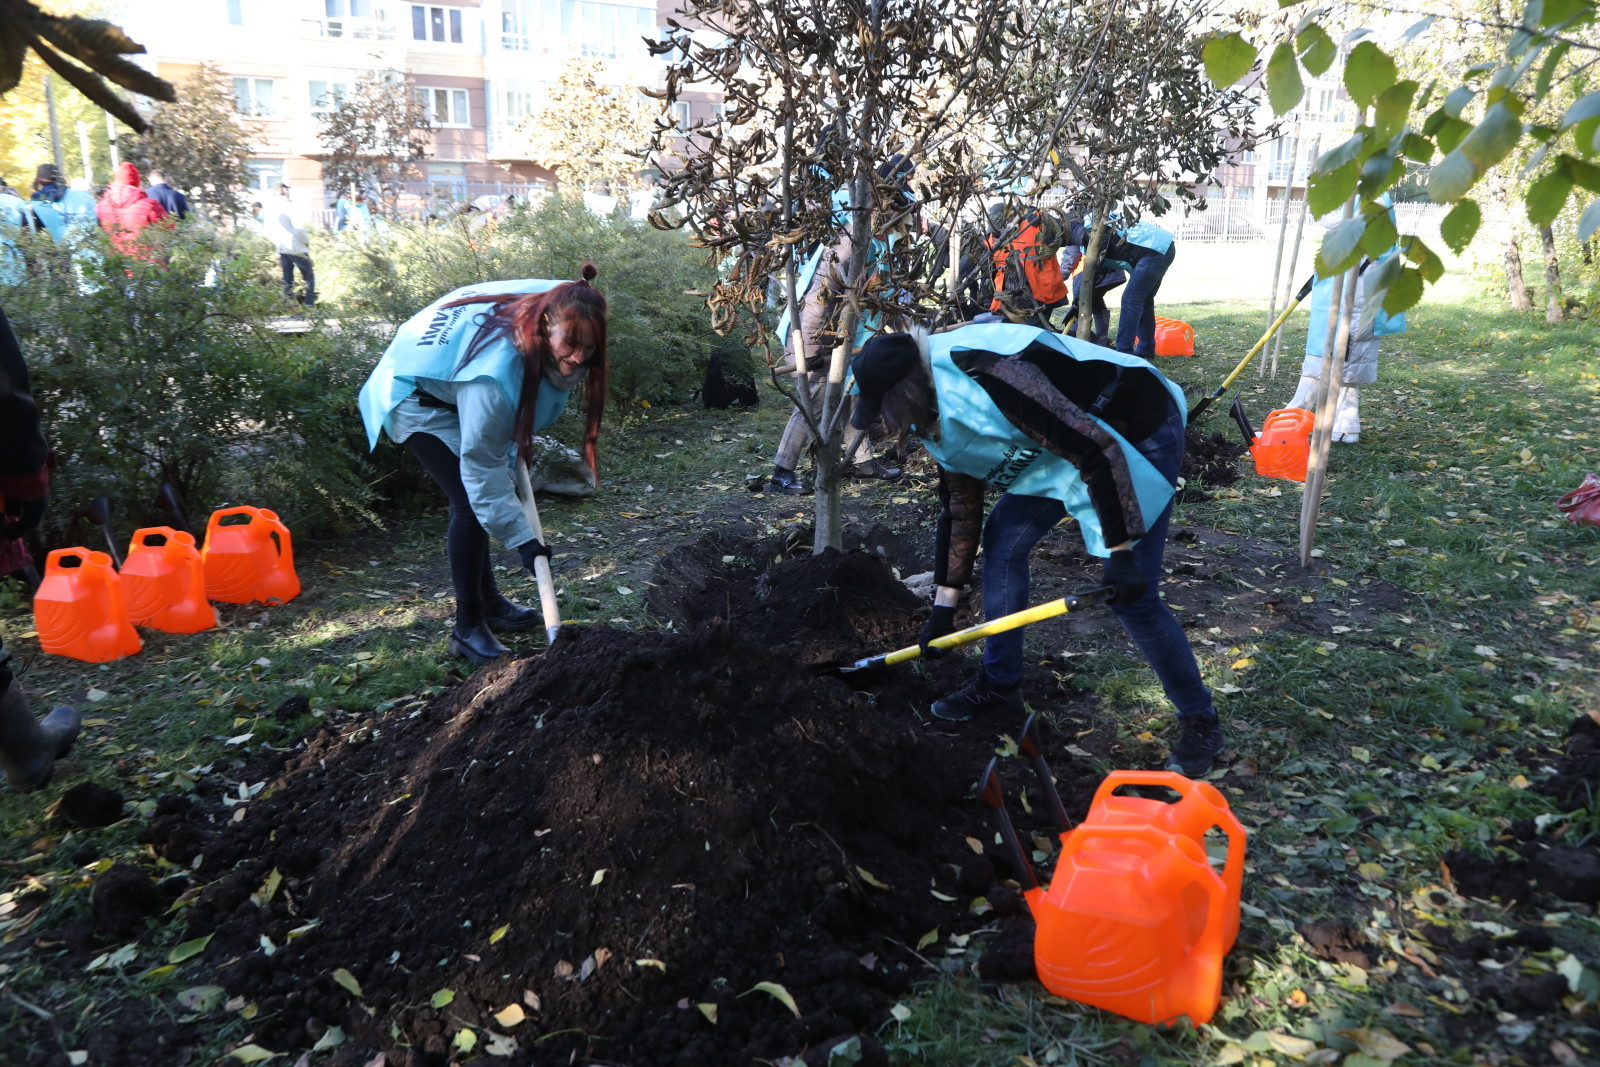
(466, 383)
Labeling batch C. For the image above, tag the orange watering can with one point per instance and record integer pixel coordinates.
(249, 559)
(1283, 447)
(1136, 920)
(80, 611)
(166, 583)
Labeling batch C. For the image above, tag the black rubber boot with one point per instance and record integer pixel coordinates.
(29, 748)
(472, 639)
(978, 697)
(786, 481)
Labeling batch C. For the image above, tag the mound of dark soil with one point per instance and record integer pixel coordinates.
(822, 609)
(622, 837)
(1209, 460)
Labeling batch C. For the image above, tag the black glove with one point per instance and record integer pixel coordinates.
(531, 551)
(1125, 578)
(26, 516)
(941, 621)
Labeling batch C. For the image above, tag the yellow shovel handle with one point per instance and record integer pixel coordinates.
(1038, 613)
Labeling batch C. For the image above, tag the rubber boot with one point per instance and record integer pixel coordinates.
(472, 639)
(29, 748)
(500, 613)
(1305, 394)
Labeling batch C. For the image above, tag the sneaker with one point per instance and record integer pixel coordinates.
(1197, 746)
(978, 697)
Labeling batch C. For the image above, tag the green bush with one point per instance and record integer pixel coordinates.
(172, 371)
(660, 338)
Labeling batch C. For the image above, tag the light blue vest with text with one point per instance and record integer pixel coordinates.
(976, 439)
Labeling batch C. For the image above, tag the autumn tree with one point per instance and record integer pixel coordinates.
(374, 136)
(588, 133)
(199, 143)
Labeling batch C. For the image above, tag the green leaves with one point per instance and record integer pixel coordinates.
(1367, 73)
(1460, 225)
(1394, 106)
(1404, 292)
(1451, 179)
(1589, 221)
(1329, 189)
(1228, 58)
(1284, 87)
(1493, 138)
(1341, 248)
(1585, 107)
(1381, 234)
(1317, 50)
(1547, 196)
(189, 949)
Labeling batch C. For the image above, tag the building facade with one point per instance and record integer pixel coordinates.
(479, 67)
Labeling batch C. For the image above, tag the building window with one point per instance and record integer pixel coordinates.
(235, 12)
(442, 24)
(265, 175)
(682, 116)
(519, 99)
(445, 107)
(327, 95)
(355, 9)
(254, 96)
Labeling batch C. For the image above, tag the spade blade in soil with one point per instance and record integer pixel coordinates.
(993, 796)
(167, 500)
(98, 511)
(1030, 749)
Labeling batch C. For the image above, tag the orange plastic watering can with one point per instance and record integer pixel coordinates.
(249, 559)
(80, 611)
(165, 582)
(1136, 920)
(1283, 447)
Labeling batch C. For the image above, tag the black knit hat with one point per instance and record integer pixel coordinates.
(882, 362)
(47, 172)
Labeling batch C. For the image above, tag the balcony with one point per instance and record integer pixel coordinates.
(349, 29)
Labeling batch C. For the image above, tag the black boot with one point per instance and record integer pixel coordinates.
(500, 613)
(872, 468)
(472, 639)
(786, 481)
(29, 748)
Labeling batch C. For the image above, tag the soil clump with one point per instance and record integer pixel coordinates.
(623, 837)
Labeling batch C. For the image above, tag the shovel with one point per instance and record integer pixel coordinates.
(167, 500)
(98, 511)
(541, 565)
(1039, 613)
(1205, 402)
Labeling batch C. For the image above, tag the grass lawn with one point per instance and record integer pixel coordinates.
(1415, 725)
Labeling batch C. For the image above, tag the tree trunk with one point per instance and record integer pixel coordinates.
(1516, 288)
(1555, 309)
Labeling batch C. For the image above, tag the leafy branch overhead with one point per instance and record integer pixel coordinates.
(1528, 104)
(84, 52)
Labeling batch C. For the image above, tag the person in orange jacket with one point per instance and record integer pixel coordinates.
(125, 209)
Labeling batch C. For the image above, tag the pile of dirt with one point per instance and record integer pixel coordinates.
(621, 838)
(824, 609)
(1209, 460)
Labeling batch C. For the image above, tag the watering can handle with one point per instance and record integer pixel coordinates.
(1174, 781)
(242, 509)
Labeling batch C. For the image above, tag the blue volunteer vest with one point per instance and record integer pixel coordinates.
(430, 345)
(976, 439)
(1148, 235)
(1322, 303)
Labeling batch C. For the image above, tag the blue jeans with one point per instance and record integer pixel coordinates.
(1016, 524)
(1138, 317)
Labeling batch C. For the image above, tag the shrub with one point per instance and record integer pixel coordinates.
(172, 371)
(660, 339)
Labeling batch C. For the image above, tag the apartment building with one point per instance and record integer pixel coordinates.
(478, 66)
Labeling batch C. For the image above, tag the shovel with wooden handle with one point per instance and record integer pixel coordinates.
(541, 565)
(1038, 613)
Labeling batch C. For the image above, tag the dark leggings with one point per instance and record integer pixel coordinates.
(466, 543)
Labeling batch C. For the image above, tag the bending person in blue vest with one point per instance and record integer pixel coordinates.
(1059, 426)
(466, 383)
(1145, 251)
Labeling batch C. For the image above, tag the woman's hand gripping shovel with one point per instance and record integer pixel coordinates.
(1039, 613)
(541, 565)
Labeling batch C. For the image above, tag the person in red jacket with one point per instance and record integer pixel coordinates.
(125, 209)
